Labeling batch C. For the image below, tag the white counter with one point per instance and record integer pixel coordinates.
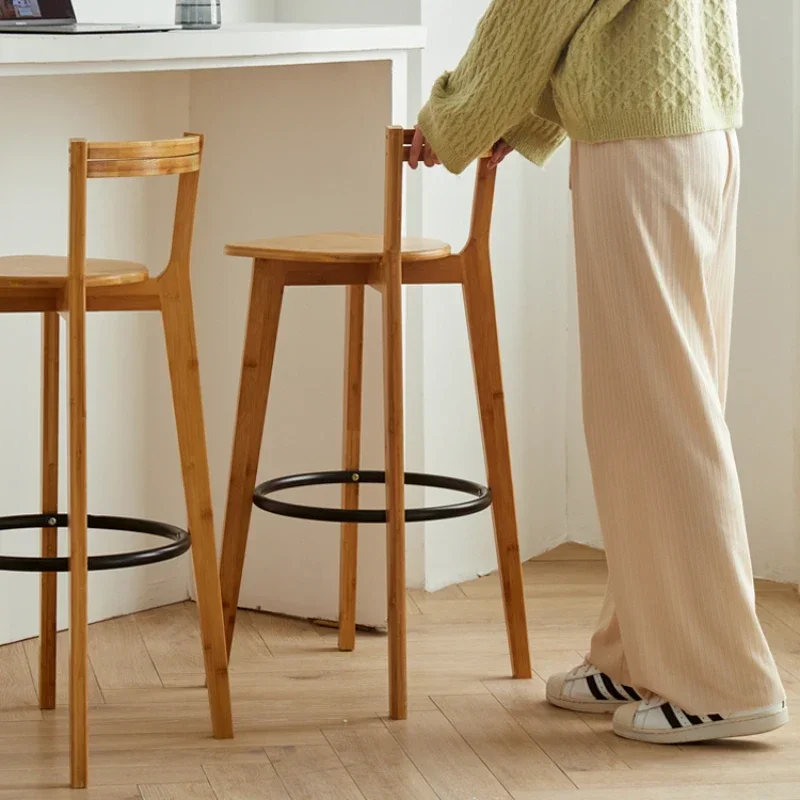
(251, 45)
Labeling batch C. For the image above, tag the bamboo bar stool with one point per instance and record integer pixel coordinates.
(385, 263)
(72, 286)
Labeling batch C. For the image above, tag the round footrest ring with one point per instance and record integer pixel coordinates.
(179, 543)
(481, 497)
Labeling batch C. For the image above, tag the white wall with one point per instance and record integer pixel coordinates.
(126, 220)
(357, 11)
(531, 260)
(233, 11)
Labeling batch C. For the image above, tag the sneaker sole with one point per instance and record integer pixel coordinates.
(726, 729)
(585, 707)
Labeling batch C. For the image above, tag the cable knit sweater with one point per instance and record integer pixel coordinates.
(538, 71)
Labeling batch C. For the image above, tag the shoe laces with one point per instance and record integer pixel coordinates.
(654, 701)
(583, 670)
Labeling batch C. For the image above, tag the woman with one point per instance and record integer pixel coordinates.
(650, 93)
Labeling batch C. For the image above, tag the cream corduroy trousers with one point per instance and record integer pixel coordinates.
(655, 229)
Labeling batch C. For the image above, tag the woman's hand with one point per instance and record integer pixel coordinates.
(499, 153)
(422, 150)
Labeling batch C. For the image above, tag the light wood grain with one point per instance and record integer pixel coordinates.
(48, 611)
(144, 167)
(333, 784)
(178, 791)
(41, 779)
(17, 691)
(446, 761)
(351, 461)
(104, 793)
(672, 782)
(377, 763)
(173, 641)
(119, 656)
(266, 299)
(786, 791)
(285, 635)
(177, 312)
(336, 247)
(502, 744)
(50, 272)
(566, 738)
(320, 722)
(569, 551)
(392, 289)
(246, 782)
(165, 148)
(482, 326)
(294, 759)
(783, 605)
(415, 273)
(32, 650)
(77, 468)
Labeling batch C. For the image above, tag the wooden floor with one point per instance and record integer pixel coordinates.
(311, 724)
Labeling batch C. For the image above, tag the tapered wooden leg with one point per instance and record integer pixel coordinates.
(266, 298)
(178, 315)
(482, 323)
(395, 496)
(353, 399)
(78, 550)
(49, 580)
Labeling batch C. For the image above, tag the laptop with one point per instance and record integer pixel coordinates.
(58, 16)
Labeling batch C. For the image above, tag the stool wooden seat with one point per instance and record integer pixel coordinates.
(386, 263)
(332, 248)
(71, 286)
(51, 272)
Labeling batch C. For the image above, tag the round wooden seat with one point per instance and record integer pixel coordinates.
(336, 247)
(50, 272)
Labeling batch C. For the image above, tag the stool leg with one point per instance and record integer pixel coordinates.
(78, 534)
(353, 385)
(78, 549)
(49, 580)
(482, 323)
(179, 329)
(395, 495)
(266, 298)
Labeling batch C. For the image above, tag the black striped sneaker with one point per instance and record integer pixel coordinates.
(660, 722)
(589, 690)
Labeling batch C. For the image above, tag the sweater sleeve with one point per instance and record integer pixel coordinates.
(495, 90)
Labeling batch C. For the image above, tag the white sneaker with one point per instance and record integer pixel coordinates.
(660, 722)
(589, 690)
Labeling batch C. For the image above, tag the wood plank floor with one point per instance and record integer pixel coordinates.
(311, 721)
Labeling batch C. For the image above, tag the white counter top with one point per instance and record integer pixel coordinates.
(257, 44)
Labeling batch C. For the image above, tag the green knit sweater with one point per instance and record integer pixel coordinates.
(538, 71)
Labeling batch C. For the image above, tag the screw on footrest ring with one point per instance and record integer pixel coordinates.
(179, 543)
(481, 497)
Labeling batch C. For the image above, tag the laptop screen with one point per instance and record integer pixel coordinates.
(33, 10)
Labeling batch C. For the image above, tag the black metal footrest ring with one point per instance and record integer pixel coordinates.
(179, 543)
(481, 497)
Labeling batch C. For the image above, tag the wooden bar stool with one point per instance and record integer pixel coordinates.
(71, 286)
(385, 263)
